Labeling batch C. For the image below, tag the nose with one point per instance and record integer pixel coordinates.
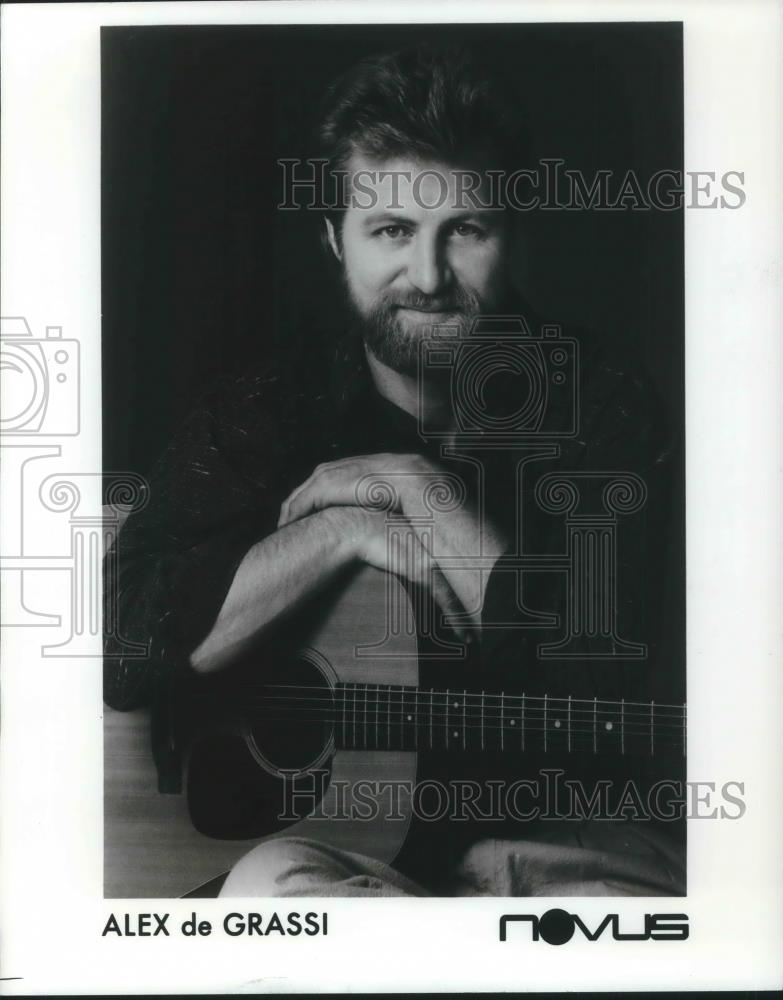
(428, 268)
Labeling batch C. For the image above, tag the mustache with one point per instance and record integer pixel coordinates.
(457, 300)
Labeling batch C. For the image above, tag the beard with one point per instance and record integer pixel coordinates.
(397, 344)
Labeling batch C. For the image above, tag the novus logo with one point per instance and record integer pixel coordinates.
(558, 926)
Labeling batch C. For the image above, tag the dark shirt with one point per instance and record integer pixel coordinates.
(251, 440)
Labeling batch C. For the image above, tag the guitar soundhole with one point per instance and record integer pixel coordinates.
(291, 717)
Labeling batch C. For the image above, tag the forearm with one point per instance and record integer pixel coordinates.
(275, 576)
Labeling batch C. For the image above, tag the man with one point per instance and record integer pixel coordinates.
(257, 506)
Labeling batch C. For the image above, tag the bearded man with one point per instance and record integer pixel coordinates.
(257, 506)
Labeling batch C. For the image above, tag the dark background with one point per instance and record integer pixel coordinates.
(203, 275)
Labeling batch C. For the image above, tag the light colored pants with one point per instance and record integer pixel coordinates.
(592, 858)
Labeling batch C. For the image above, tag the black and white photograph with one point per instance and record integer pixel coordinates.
(404, 591)
(388, 542)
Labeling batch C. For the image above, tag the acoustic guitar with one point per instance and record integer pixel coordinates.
(333, 739)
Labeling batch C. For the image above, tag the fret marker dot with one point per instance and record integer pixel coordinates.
(513, 722)
(456, 704)
(456, 734)
(410, 717)
(608, 725)
(557, 723)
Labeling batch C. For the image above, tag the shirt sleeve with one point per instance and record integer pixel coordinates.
(210, 497)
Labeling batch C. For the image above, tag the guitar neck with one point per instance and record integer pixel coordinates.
(385, 717)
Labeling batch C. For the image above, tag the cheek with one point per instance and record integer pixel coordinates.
(479, 266)
(369, 268)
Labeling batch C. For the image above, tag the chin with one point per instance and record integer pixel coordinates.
(420, 324)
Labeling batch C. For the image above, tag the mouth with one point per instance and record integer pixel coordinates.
(428, 312)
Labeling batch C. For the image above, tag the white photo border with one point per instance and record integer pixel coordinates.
(52, 909)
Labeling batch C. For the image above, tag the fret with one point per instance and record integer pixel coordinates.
(606, 734)
(652, 738)
(408, 715)
(523, 720)
(556, 723)
(612, 727)
(566, 723)
(622, 726)
(545, 722)
(455, 732)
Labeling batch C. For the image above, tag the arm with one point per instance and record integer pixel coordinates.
(280, 571)
(274, 577)
(210, 497)
(421, 491)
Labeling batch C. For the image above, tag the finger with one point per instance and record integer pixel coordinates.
(448, 603)
(286, 505)
(325, 490)
(286, 514)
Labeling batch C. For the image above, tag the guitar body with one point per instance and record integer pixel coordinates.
(239, 757)
(277, 742)
(308, 736)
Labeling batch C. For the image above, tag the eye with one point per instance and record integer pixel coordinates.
(392, 232)
(469, 230)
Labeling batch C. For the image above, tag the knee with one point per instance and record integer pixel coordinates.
(271, 867)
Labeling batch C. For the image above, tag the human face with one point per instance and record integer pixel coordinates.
(416, 254)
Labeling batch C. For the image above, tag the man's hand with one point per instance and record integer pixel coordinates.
(402, 552)
(410, 485)
(380, 482)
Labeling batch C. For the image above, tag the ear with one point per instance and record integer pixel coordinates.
(331, 236)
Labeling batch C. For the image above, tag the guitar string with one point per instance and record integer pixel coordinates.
(399, 716)
(349, 695)
(643, 732)
(579, 739)
(529, 734)
(472, 694)
(360, 704)
(446, 718)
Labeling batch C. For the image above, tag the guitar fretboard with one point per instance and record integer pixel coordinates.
(384, 717)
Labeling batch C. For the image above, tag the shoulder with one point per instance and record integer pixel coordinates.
(618, 411)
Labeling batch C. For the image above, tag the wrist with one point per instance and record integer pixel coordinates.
(344, 528)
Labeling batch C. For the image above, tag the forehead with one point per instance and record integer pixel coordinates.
(417, 188)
